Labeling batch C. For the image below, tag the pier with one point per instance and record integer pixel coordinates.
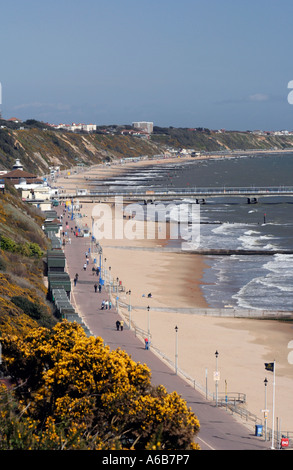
(199, 195)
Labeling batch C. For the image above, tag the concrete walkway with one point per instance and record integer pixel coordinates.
(219, 430)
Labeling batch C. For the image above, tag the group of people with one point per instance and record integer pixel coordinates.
(106, 304)
(96, 286)
(119, 325)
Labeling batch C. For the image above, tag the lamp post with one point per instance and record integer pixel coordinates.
(110, 282)
(265, 410)
(217, 377)
(149, 331)
(100, 260)
(129, 307)
(176, 349)
(105, 261)
(92, 235)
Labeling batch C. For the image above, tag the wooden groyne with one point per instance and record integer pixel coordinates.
(204, 252)
(238, 251)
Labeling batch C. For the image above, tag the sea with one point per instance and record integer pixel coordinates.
(258, 281)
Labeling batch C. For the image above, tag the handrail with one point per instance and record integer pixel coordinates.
(190, 191)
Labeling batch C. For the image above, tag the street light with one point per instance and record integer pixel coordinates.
(105, 260)
(217, 377)
(129, 307)
(149, 332)
(265, 410)
(176, 349)
(100, 258)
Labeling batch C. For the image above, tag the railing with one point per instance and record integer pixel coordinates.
(266, 190)
(232, 397)
(190, 191)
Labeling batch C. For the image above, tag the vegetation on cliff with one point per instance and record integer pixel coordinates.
(206, 140)
(72, 392)
(22, 244)
(39, 148)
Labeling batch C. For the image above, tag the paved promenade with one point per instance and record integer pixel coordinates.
(219, 430)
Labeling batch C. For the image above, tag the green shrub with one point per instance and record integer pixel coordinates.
(7, 244)
(31, 250)
(34, 310)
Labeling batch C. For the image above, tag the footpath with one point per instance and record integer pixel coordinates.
(219, 430)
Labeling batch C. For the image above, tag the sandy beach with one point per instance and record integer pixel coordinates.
(174, 281)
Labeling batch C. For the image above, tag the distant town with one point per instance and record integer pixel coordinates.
(138, 128)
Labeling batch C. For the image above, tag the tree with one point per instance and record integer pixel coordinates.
(80, 394)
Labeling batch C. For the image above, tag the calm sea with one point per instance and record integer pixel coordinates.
(257, 281)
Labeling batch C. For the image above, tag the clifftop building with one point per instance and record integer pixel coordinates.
(144, 126)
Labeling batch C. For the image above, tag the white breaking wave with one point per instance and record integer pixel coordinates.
(277, 285)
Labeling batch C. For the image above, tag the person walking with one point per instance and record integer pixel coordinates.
(100, 288)
(110, 304)
(117, 325)
(96, 287)
(121, 325)
(103, 305)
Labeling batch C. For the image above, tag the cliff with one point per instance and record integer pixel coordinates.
(39, 146)
(23, 303)
(38, 149)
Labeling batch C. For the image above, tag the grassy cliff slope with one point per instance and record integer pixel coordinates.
(23, 303)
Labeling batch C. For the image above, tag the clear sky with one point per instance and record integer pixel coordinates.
(188, 63)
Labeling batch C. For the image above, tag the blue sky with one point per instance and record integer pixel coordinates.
(212, 63)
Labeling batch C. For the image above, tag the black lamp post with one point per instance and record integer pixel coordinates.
(176, 349)
(217, 377)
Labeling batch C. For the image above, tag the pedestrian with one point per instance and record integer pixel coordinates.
(96, 287)
(117, 325)
(121, 325)
(110, 304)
(76, 275)
(87, 261)
(84, 267)
(103, 305)
(100, 288)
(106, 304)
(75, 281)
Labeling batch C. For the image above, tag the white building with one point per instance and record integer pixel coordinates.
(77, 127)
(144, 126)
(17, 165)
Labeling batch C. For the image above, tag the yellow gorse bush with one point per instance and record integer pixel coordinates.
(74, 393)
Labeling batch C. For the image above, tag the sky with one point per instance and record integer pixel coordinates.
(188, 63)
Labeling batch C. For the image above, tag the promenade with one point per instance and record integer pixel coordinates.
(219, 430)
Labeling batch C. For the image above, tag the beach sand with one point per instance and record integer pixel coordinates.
(174, 280)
